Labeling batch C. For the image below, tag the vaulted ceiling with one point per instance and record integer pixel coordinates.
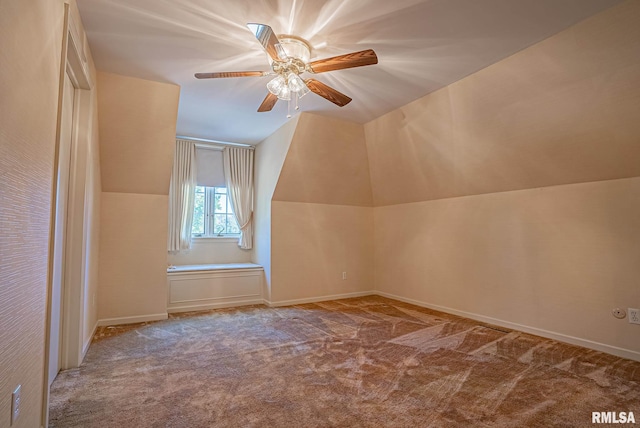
(422, 45)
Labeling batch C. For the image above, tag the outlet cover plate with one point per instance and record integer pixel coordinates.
(15, 404)
(634, 316)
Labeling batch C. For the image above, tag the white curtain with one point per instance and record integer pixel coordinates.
(181, 196)
(238, 175)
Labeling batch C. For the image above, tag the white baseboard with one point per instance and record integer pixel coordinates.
(613, 350)
(609, 349)
(207, 306)
(319, 299)
(132, 320)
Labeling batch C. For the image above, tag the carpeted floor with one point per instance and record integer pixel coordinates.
(365, 362)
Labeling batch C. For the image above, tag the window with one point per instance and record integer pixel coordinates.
(212, 213)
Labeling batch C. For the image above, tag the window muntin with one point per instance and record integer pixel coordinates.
(212, 213)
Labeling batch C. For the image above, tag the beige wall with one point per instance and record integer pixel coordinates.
(312, 244)
(321, 215)
(269, 158)
(212, 250)
(562, 111)
(326, 164)
(137, 140)
(556, 258)
(137, 133)
(133, 255)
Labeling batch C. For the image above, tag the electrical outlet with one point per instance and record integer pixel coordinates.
(15, 404)
(634, 316)
(344, 275)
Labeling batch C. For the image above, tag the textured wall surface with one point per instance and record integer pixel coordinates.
(31, 41)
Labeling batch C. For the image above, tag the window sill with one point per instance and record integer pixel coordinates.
(208, 239)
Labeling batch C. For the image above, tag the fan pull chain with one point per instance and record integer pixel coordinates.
(289, 108)
(297, 98)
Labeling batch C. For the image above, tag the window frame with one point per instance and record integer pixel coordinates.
(210, 214)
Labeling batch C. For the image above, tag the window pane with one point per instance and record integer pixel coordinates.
(221, 203)
(219, 224)
(212, 213)
(232, 225)
(229, 206)
(197, 227)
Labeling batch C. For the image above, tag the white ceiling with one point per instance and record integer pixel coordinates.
(422, 45)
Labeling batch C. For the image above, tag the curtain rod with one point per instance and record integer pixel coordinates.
(213, 142)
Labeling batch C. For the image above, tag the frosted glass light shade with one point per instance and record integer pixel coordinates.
(284, 94)
(275, 85)
(296, 84)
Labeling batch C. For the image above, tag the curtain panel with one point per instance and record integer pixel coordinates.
(182, 196)
(238, 174)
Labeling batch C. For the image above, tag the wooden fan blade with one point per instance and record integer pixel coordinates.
(229, 74)
(327, 92)
(268, 40)
(268, 103)
(350, 60)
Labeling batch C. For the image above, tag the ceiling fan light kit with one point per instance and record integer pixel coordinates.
(289, 56)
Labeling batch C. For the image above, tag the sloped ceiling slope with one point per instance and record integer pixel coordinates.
(422, 46)
(137, 120)
(563, 111)
(326, 164)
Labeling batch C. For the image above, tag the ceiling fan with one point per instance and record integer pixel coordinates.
(289, 56)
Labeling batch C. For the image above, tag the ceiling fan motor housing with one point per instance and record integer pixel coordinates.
(295, 47)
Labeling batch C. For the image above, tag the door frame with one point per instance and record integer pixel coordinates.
(59, 233)
(74, 63)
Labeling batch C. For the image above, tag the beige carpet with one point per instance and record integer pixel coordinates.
(366, 362)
